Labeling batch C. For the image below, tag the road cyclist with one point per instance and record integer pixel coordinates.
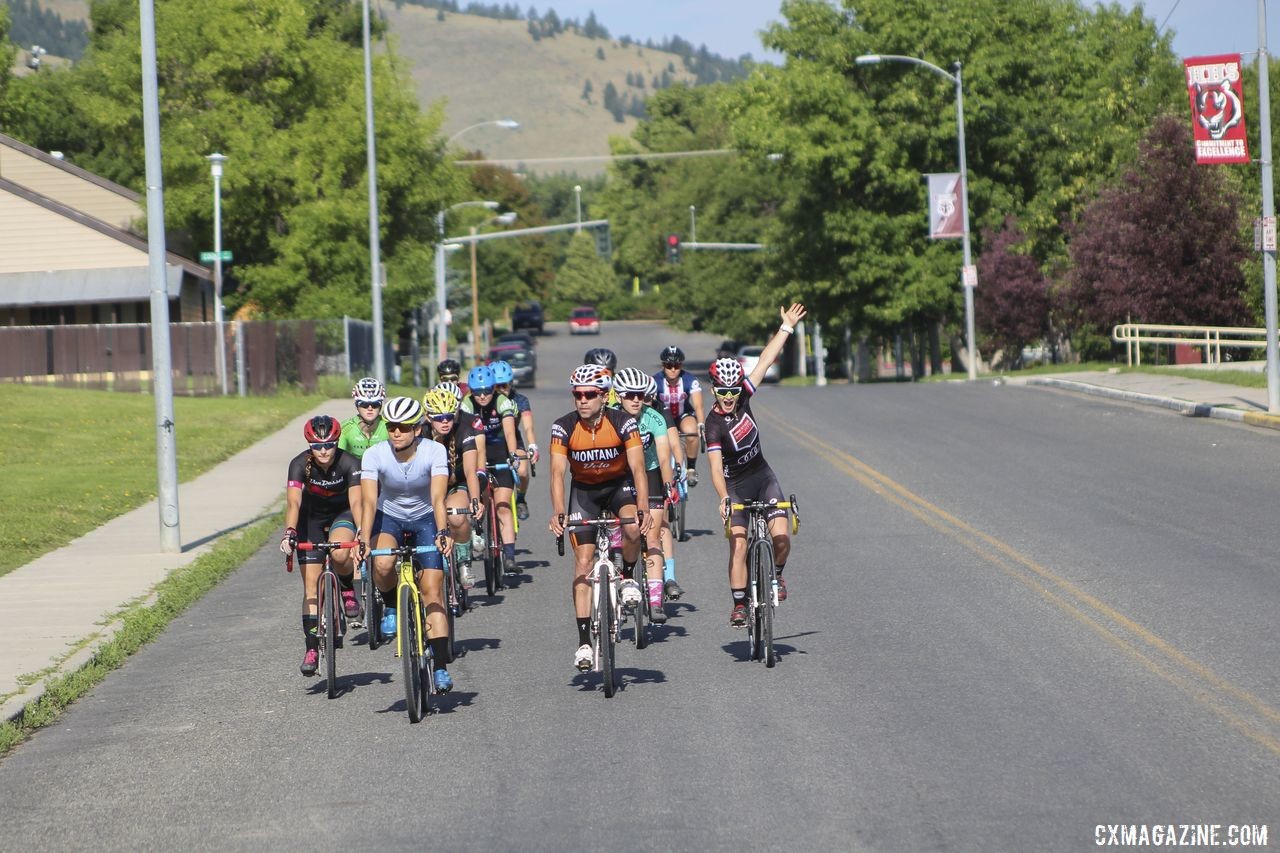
(606, 358)
(681, 395)
(526, 435)
(458, 434)
(404, 482)
(366, 427)
(498, 416)
(600, 450)
(739, 471)
(449, 370)
(322, 503)
(632, 386)
(676, 501)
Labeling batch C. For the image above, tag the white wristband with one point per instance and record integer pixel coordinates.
(790, 330)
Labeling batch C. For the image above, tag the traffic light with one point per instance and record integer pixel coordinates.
(673, 248)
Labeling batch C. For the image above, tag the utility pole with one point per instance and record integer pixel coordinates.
(1268, 212)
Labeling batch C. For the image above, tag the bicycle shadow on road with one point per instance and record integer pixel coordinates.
(692, 533)
(439, 704)
(590, 682)
(741, 650)
(348, 683)
(477, 644)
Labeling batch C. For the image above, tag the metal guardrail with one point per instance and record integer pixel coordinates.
(1212, 338)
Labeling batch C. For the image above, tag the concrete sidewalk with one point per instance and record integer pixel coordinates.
(56, 610)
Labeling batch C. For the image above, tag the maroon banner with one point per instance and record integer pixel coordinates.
(1217, 108)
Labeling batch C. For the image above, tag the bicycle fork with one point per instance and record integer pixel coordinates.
(603, 577)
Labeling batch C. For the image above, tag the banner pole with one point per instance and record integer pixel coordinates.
(1268, 210)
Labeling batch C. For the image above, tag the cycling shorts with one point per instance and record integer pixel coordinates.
(759, 485)
(318, 528)
(590, 501)
(657, 496)
(424, 527)
(504, 479)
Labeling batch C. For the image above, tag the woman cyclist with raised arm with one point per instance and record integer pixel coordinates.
(366, 428)
(403, 483)
(458, 435)
(526, 435)
(738, 469)
(497, 414)
(322, 500)
(632, 385)
(681, 396)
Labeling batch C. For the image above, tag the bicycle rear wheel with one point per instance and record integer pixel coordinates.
(329, 627)
(450, 600)
(604, 621)
(372, 606)
(642, 609)
(491, 568)
(407, 630)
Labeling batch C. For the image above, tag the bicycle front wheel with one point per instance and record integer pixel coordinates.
(329, 627)
(642, 609)
(755, 599)
(450, 602)
(605, 636)
(372, 607)
(410, 656)
(765, 582)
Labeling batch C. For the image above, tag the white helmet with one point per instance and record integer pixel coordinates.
(630, 379)
(402, 410)
(591, 375)
(726, 373)
(453, 388)
(651, 389)
(369, 390)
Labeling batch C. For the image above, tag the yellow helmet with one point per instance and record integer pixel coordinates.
(440, 401)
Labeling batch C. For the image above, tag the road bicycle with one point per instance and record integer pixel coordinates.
(490, 532)
(332, 622)
(606, 603)
(456, 599)
(676, 509)
(411, 626)
(762, 572)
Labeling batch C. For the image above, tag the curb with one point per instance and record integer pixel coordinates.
(1182, 407)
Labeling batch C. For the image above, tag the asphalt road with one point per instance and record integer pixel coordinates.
(1015, 615)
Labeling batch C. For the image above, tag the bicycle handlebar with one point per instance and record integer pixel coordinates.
(403, 551)
(612, 521)
(326, 546)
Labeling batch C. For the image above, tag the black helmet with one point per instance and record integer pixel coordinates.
(672, 353)
(603, 357)
(449, 368)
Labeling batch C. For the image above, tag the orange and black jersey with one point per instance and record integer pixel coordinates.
(596, 455)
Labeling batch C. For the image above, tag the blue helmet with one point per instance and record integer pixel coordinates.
(502, 372)
(481, 378)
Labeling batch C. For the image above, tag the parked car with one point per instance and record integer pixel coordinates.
(525, 340)
(527, 316)
(749, 357)
(583, 320)
(727, 349)
(523, 368)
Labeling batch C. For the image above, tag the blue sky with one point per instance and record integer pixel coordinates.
(731, 27)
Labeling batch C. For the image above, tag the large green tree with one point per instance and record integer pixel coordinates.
(585, 277)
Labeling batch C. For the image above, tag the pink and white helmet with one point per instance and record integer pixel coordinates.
(592, 376)
(726, 373)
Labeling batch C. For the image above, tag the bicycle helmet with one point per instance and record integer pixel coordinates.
(369, 390)
(453, 388)
(402, 410)
(440, 401)
(631, 380)
(603, 357)
(320, 429)
(449, 369)
(671, 353)
(481, 379)
(726, 373)
(502, 372)
(651, 389)
(591, 376)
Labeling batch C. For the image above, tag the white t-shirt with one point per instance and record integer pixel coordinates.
(404, 488)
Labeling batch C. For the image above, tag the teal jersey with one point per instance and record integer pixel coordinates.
(652, 425)
(354, 441)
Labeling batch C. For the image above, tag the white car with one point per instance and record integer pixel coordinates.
(749, 357)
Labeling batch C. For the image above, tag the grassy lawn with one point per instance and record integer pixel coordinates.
(79, 458)
(1245, 378)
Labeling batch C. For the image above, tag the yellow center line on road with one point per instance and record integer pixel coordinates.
(1142, 645)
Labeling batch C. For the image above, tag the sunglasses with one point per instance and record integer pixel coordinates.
(728, 392)
(633, 395)
(401, 427)
(448, 377)
(476, 392)
(585, 395)
(324, 445)
(443, 419)
(368, 404)
(672, 364)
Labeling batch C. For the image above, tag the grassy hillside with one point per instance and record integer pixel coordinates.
(487, 69)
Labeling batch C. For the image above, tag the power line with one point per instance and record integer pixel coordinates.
(1160, 28)
(596, 158)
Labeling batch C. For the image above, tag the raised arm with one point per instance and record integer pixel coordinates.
(790, 316)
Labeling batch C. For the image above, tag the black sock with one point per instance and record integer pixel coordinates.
(584, 631)
(388, 598)
(778, 570)
(693, 463)
(740, 596)
(347, 581)
(309, 626)
(628, 569)
(440, 651)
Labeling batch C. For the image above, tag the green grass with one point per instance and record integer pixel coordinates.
(76, 459)
(1243, 378)
(139, 624)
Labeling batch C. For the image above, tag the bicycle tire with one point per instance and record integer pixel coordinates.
(683, 534)
(495, 545)
(372, 608)
(409, 657)
(767, 574)
(450, 595)
(753, 599)
(426, 665)
(606, 638)
(329, 598)
(642, 609)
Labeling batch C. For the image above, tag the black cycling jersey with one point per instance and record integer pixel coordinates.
(466, 429)
(324, 492)
(736, 436)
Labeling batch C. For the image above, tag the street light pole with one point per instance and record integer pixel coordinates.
(215, 165)
(375, 278)
(1268, 210)
(693, 224)
(442, 288)
(508, 123)
(875, 59)
(475, 306)
(577, 192)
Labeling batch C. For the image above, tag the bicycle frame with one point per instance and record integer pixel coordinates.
(762, 601)
(331, 615)
(406, 576)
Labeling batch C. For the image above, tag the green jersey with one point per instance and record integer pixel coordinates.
(354, 441)
(652, 425)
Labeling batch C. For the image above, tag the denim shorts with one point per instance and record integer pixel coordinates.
(424, 527)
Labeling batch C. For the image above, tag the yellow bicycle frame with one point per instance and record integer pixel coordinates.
(406, 578)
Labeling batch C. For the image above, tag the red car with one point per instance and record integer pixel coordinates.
(583, 320)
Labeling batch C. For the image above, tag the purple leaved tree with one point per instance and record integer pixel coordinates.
(1013, 296)
(1164, 244)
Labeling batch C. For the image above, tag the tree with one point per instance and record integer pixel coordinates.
(585, 277)
(1012, 303)
(1164, 244)
(586, 91)
(599, 53)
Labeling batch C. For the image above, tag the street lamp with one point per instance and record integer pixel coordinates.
(875, 59)
(501, 219)
(442, 290)
(508, 123)
(577, 192)
(215, 167)
(379, 368)
(693, 224)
